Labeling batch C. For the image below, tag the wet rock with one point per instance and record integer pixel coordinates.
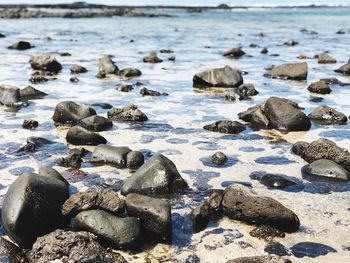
(110, 155)
(210, 209)
(69, 112)
(326, 168)
(121, 232)
(147, 92)
(331, 81)
(30, 124)
(240, 203)
(340, 32)
(31, 93)
(45, 63)
(266, 232)
(158, 176)
(96, 123)
(219, 158)
(326, 59)
(297, 71)
(307, 31)
(234, 53)
(167, 51)
(64, 54)
(152, 58)
(291, 43)
(80, 136)
(228, 127)
(247, 90)
(74, 79)
(345, 69)
(278, 181)
(302, 56)
(36, 79)
(134, 159)
(128, 113)
(319, 87)
(218, 77)
(69, 246)
(154, 214)
(129, 73)
(276, 248)
(21, 45)
(107, 200)
(102, 105)
(48, 171)
(34, 142)
(107, 67)
(311, 250)
(326, 115)
(125, 88)
(172, 58)
(77, 69)
(10, 253)
(259, 120)
(230, 97)
(73, 159)
(322, 149)
(264, 51)
(32, 208)
(260, 259)
(9, 95)
(2, 35)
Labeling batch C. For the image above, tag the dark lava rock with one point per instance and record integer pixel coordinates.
(172, 58)
(32, 208)
(128, 113)
(326, 168)
(10, 253)
(228, 127)
(102, 105)
(64, 54)
(121, 232)
(210, 209)
(45, 63)
(278, 181)
(326, 115)
(230, 97)
(76, 69)
(34, 142)
(96, 123)
(219, 158)
(284, 115)
(30, 124)
(276, 248)
(166, 51)
(50, 172)
(9, 95)
(152, 58)
(125, 88)
(147, 92)
(129, 73)
(107, 67)
(158, 176)
(107, 200)
(234, 53)
(266, 232)
(345, 69)
(319, 87)
(322, 149)
(311, 250)
(21, 45)
(291, 43)
(36, 79)
(297, 71)
(247, 90)
(241, 203)
(226, 77)
(121, 157)
(264, 51)
(260, 259)
(326, 59)
(73, 159)
(31, 93)
(80, 136)
(69, 246)
(154, 214)
(74, 79)
(69, 112)
(2, 35)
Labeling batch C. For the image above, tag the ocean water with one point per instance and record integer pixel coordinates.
(175, 122)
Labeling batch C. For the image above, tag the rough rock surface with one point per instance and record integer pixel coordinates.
(345, 69)
(96, 123)
(9, 95)
(326, 59)
(319, 87)
(69, 112)
(128, 113)
(228, 127)
(297, 71)
(45, 63)
(260, 259)
(326, 115)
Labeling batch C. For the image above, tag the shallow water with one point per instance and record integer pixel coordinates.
(175, 121)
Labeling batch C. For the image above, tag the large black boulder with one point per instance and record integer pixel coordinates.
(69, 112)
(80, 136)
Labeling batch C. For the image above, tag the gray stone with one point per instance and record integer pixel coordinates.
(107, 67)
(96, 123)
(110, 155)
(234, 53)
(326, 168)
(152, 58)
(76, 69)
(228, 127)
(326, 115)
(128, 113)
(69, 112)
(345, 69)
(260, 259)
(129, 73)
(21, 45)
(9, 95)
(31, 93)
(326, 59)
(45, 63)
(297, 71)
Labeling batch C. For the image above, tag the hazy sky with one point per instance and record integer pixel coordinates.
(187, 2)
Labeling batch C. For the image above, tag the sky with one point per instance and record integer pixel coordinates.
(186, 2)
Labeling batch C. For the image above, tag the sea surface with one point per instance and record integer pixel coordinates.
(175, 122)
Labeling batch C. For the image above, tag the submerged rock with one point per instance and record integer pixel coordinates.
(77, 69)
(234, 53)
(69, 112)
(326, 59)
(276, 248)
(264, 51)
(319, 87)
(326, 168)
(147, 92)
(30, 124)
(152, 58)
(246, 90)
(107, 200)
(45, 63)
(240, 203)
(119, 231)
(326, 115)
(9, 95)
(297, 71)
(278, 181)
(32, 208)
(291, 43)
(128, 113)
(69, 246)
(80, 136)
(345, 69)
(228, 127)
(311, 250)
(219, 158)
(218, 77)
(129, 73)
(31, 93)
(107, 67)
(157, 177)
(154, 214)
(260, 259)
(96, 123)
(21, 45)
(125, 88)
(73, 159)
